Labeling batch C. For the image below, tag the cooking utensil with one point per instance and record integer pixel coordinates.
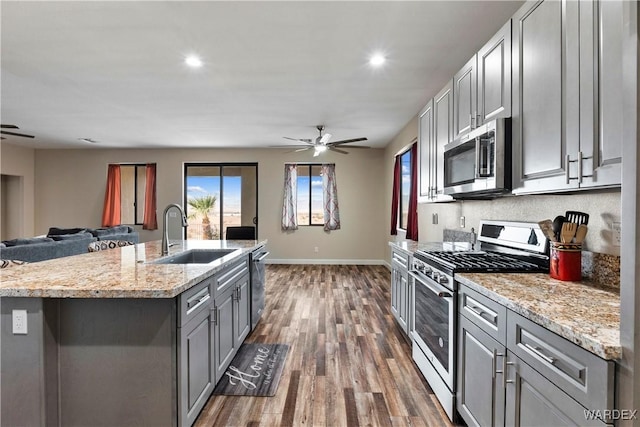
(581, 232)
(577, 217)
(568, 232)
(557, 226)
(547, 228)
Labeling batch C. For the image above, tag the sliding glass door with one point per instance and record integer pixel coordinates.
(219, 195)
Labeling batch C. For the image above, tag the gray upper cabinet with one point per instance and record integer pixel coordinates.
(567, 98)
(494, 77)
(442, 134)
(425, 153)
(435, 131)
(601, 90)
(545, 96)
(482, 88)
(464, 90)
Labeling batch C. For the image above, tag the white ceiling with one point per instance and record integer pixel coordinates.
(114, 71)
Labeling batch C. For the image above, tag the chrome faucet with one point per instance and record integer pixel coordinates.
(165, 231)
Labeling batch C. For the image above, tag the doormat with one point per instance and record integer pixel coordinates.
(255, 371)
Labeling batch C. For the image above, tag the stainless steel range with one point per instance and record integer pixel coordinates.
(504, 247)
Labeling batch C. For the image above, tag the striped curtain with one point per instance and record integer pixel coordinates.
(289, 207)
(330, 197)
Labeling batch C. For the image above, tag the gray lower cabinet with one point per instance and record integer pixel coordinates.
(514, 372)
(401, 296)
(196, 377)
(224, 335)
(242, 319)
(533, 400)
(481, 392)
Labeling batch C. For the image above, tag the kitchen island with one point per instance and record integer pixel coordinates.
(115, 339)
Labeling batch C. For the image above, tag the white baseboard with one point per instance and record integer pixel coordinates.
(328, 261)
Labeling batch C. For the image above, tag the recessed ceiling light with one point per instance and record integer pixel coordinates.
(377, 60)
(193, 61)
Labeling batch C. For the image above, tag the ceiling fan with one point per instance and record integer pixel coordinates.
(6, 132)
(322, 144)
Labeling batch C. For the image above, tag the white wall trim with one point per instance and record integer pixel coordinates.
(327, 261)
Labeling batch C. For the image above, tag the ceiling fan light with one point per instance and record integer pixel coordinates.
(319, 149)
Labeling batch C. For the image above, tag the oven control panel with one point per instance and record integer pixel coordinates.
(432, 273)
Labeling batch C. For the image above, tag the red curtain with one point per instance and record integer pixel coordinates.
(395, 198)
(412, 217)
(150, 221)
(111, 210)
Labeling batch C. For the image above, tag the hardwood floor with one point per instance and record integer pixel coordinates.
(348, 364)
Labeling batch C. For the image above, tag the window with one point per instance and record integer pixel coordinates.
(133, 181)
(309, 197)
(405, 188)
(220, 195)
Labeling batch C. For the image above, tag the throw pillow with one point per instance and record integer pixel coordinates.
(108, 244)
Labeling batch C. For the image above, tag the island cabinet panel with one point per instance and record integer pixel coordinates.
(196, 374)
(117, 362)
(224, 334)
(242, 318)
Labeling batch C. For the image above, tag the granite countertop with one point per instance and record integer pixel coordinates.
(584, 314)
(118, 273)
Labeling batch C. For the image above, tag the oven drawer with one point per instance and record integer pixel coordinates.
(581, 374)
(400, 259)
(490, 316)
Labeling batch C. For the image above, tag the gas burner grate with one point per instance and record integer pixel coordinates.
(476, 262)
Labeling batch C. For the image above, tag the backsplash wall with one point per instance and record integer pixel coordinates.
(602, 206)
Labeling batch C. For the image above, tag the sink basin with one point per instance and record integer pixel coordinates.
(195, 256)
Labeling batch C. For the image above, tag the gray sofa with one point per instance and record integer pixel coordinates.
(61, 242)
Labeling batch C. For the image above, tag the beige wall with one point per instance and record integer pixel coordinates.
(70, 191)
(18, 161)
(602, 206)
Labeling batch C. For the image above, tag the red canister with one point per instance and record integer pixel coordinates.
(566, 261)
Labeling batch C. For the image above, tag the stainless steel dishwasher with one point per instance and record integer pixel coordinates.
(257, 284)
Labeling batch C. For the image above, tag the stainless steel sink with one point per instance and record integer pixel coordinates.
(195, 256)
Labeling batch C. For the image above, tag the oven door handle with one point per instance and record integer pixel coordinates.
(441, 291)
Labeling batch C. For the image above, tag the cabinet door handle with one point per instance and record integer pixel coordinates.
(214, 317)
(538, 352)
(481, 313)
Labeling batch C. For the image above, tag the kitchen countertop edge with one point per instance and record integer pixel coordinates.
(127, 272)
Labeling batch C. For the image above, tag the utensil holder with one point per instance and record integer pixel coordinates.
(565, 261)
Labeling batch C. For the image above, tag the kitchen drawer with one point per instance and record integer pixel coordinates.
(401, 259)
(230, 275)
(490, 316)
(581, 374)
(194, 300)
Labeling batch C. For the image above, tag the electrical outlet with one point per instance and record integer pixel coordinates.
(615, 229)
(19, 318)
(434, 218)
(315, 249)
(462, 222)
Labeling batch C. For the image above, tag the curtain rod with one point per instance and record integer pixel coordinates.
(309, 163)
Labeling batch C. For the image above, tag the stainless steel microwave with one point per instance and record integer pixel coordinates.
(478, 164)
